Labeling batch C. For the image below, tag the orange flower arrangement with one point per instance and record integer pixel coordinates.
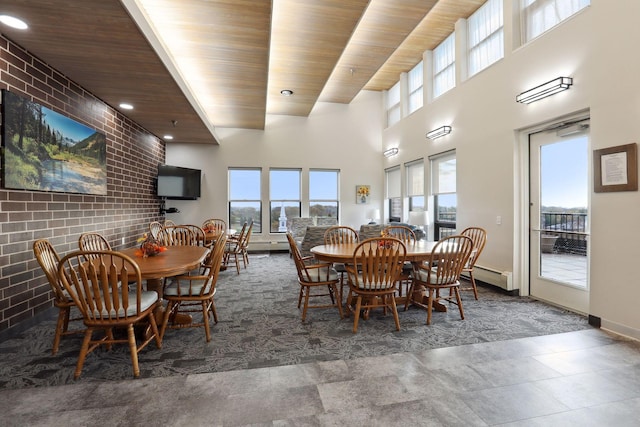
(385, 244)
(149, 246)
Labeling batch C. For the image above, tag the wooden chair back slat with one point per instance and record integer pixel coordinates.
(177, 235)
(340, 234)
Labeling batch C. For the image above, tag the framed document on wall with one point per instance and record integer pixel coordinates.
(615, 169)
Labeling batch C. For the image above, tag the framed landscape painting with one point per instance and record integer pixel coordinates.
(46, 151)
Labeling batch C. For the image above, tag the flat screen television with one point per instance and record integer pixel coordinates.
(178, 183)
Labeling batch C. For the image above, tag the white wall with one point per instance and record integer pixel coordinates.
(337, 136)
(597, 48)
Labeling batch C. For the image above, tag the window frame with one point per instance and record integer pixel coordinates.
(415, 87)
(530, 9)
(444, 66)
(394, 201)
(493, 33)
(392, 105)
(335, 200)
(443, 226)
(257, 221)
(414, 171)
(289, 204)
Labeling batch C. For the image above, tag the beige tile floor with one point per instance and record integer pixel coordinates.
(567, 268)
(585, 378)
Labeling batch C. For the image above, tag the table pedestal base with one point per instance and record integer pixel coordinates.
(420, 299)
(182, 319)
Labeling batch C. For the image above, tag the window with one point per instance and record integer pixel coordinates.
(444, 66)
(415, 185)
(245, 204)
(323, 193)
(539, 16)
(486, 36)
(443, 188)
(393, 105)
(284, 198)
(414, 88)
(393, 191)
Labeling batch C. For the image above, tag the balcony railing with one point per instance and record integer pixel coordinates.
(569, 227)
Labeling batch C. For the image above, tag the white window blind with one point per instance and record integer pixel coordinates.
(444, 66)
(443, 173)
(538, 16)
(485, 36)
(415, 84)
(415, 178)
(393, 104)
(394, 189)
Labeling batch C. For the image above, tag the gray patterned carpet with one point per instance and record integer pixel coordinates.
(260, 326)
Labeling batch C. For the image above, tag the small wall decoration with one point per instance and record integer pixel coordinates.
(615, 169)
(362, 194)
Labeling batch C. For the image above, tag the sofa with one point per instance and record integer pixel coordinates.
(313, 236)
(298, 228)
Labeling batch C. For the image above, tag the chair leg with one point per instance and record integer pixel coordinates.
(408, 297)
(339, 301)
(356, 315)
(341, 286)
(300, 296)
(307, 290)
(473, 284)
(154, 328)
(214, 312)
(109, 333)
(63, 316)
(457, 291)
(429, 304)
(235, 257)
(83, 352)
(395, 311)
(165, 318)
(331, 289)
(67, 317)
(245, 259)
(205, 320)
(134, 350)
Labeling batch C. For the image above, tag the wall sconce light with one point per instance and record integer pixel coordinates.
(437, 133)
(390, 152)
(546, 89)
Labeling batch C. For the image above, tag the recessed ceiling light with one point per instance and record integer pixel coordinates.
(126, 106)
(169, 137)
(286, 92)
(13, 22)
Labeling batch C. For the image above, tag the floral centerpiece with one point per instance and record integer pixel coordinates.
(385, 243)
(149, 246)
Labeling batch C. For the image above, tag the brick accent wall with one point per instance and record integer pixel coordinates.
(122, 215)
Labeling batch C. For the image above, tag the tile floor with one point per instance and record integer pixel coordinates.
(566, 268)
(585, 378)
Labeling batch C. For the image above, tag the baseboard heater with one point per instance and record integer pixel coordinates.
(501, 279)
(266, 246)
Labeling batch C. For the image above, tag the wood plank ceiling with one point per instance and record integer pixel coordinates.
(222, 63)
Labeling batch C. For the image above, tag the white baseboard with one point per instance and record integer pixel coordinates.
(619, 329)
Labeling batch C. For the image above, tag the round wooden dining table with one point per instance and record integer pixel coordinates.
(418, 251)
(343, 252)
(174, 261)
